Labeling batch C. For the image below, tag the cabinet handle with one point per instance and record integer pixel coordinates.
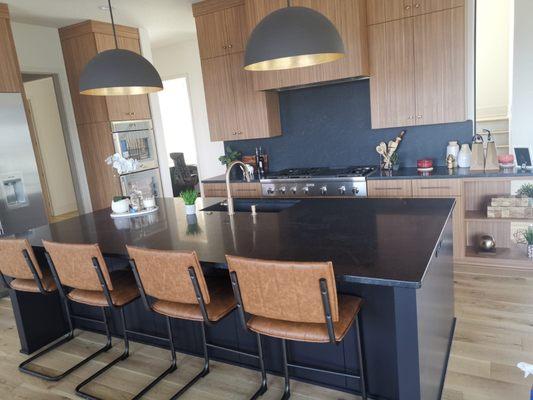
(417, 5)
(224, 47)
(419, 117)
(408, 7)
(230, 46)
(410, 117)
(434, 187)
(130, 113)
(392, 188)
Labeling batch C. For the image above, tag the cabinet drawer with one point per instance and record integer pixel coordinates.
(436, 187)
(238, 190)
(389, 188)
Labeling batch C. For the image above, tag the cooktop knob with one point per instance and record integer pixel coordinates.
(293, 190)
(342, 190)
(324, 190)
(355, 190)
(270, 191)
(282, 190)
(306, 190)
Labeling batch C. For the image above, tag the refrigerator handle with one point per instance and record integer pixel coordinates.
(1, 229)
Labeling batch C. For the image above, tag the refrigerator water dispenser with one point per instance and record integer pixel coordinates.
(14, 191)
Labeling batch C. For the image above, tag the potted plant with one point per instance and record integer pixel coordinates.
(120, 204)
(395, 161)
(526, 190)
(189, 198)
(525, 236)
(229, 157)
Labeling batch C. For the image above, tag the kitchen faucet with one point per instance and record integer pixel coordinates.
(247, 176)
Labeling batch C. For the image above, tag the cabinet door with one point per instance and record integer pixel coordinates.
(212, 37)
(257, 113)
(219, 98)
(235, 25)
(348, 16)
(389, 188)
(427, 6)
(10, 79)
(440, 67)
(392, 78)
(379, 11)
(96, 143)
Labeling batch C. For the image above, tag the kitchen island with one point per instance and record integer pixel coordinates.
(394, 253)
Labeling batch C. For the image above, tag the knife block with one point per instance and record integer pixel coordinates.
(491, 162)
(477, 162)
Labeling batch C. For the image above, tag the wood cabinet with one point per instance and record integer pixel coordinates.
(348, 16)
(238, 190)
(10, 78)
(436, 187)
(418, 70)
(379, 11)
(235, 110)
(389, 188)
(221, 32)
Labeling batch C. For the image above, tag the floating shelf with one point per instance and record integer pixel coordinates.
(505, 257)
(481, 216)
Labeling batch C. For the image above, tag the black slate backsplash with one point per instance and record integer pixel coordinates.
(330, 126)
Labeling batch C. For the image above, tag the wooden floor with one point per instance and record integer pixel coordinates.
(494, 332)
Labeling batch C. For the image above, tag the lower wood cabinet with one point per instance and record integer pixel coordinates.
(436, 187)
(238, 190)
(389, 188)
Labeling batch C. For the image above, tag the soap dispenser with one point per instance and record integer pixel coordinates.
(478, 154)
(491, 161)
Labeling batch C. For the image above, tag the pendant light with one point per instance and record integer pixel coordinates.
(292, 37)
(119, 72)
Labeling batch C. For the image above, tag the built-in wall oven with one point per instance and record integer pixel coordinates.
(135, 139)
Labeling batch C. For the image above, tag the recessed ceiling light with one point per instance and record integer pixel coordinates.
(104, 7)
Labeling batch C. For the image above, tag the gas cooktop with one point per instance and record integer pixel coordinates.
(321, 172)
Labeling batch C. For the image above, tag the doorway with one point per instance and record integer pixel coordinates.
(51, 151)
(178, 130)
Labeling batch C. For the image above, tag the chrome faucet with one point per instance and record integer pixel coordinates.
(247, 176)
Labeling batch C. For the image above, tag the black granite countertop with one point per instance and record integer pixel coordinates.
(385, 242)
(443, 172)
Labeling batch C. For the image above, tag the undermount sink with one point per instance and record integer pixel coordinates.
(262, 206)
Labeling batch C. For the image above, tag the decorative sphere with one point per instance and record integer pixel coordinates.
(487, 243)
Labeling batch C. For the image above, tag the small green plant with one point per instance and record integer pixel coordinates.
(118, 198)
(230, 156)
(395, 158)
(526, 190)
(189, 196)
(528, 235)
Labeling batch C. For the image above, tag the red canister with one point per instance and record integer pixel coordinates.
(424, 163)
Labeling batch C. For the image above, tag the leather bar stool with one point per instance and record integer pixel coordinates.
(82, 276)
(19, 270)
(173, 284)
(295, 301)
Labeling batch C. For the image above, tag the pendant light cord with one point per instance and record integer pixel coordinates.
(113, 23)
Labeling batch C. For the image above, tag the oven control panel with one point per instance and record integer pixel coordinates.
(290, 188)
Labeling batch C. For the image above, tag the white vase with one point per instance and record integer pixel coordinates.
(464, 157)
(530, 251)
(121, 206)
(453, 149)
(190, 209)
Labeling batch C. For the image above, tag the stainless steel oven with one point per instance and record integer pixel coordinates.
(135, 139)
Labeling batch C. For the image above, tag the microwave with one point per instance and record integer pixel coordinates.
(135, 139)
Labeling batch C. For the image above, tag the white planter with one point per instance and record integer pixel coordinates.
(530, 251)
(464, 157)
(121, 206)
(190, 209)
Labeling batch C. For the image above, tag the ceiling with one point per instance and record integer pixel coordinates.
(167, 21)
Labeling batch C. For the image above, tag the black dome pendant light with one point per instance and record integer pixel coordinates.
(292, 37)
(119, 72)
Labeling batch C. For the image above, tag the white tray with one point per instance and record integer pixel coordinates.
(135, 214)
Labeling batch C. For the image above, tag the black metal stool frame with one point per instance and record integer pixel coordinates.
(24, 366)
(206, 346)
(331, 333)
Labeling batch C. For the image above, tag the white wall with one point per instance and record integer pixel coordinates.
(493, 57)
(39, 51)
(183, 59)
(522, 97)
(43, 103)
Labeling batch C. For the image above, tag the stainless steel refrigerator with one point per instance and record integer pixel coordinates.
(21, 198)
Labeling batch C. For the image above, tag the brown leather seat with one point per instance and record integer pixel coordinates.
(29, 285)
(349, 306)
(165, 277)
(74, 266)
(124, 291)
(284, 299)
(14, 265)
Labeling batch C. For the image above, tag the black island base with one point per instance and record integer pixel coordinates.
(396, 254)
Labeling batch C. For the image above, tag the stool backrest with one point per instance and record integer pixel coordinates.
(12, 261)
(288, 291)
(74, 265)
(165, 274)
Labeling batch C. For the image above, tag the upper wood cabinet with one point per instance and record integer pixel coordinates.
(379, 11)
(348, 16)
(221, 32)
(80, 43)
(235, 110)
(418, 70)
(10, 79)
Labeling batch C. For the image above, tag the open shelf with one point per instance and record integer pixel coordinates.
(480, 216)
(507, 257)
